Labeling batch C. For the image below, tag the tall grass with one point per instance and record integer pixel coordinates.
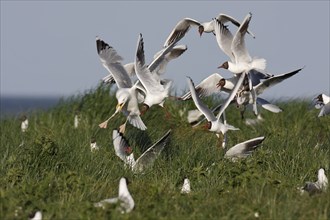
(51, 168)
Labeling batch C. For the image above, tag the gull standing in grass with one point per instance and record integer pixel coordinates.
(146, 160)
(127, 92)
(36, 216)
(319, 186)
(214, 124)
(24, 123)
(186, 186)
(322, 102)
(93, 145)
(208, 27)
(244, 149)
(155, 90)
(124, 198)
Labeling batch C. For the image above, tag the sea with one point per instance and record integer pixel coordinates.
(15, 106)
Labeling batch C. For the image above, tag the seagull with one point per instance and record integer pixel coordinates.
(208, 27)
(160, 60)
(322, 102)
(244, 149)
(124, 151)
(93, 145)
(186, 186)
(127, 92)
(234, 47)
(155, 90)
(214, 124)
(76, 120)
(124, 198)
(215, 83)
(212, 84)
(24, 123)
(319, 186)
(36, 216)
(246, 96)
(180, 29)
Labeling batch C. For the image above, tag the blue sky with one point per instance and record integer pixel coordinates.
(48, 48)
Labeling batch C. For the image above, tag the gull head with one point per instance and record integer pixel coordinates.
(225, 65)
(200, 30)
(144, 108)
(208, 125)
(221, 83)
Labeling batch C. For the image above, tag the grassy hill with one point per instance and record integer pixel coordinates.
(51, 168)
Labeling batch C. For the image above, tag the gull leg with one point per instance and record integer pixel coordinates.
(105, 123)
(122, 128)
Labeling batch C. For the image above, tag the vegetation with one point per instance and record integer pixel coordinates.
(51, 167)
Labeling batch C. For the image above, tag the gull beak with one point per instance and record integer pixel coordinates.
(119, 107)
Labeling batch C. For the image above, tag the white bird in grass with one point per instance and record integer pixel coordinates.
(156, 90)
(214, 124)
(208, 27)
(93, 145)
(244, 149)
(186, 186)
(36, 216)
(319, 186)
(124, 198)
(127, 92)
(146, 160)
(322, 102)
(180, 29)
(24, 123)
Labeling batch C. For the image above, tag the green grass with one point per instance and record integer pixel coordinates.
(55, 172)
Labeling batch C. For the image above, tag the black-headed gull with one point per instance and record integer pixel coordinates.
(234, 47)
(127, 92)
(208, 27)
(319, 186)
(214, 124)
(180, 29)
(185, 189)
(244, 149)
(93, 145)
(124, 198)
(24, 123)
(156, 90)
(36, 216)
(322, 102)
(212, 84)
(124, 151)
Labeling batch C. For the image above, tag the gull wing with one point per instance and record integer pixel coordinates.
(245, 148)
(268, 106)
(325, 110)
(127, 202)
(238, 47)
(180, 29)
(223, 18)
(207, 87)
(160, 56)
(112, 62)
(120, 144)
(232, 94)
(199, 104)
(272, 81)
(224, 38)
(162, 63)
(151, 154)
(151, 82)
